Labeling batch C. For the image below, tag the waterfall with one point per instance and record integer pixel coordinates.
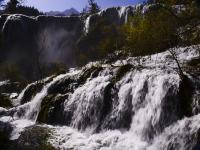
(3, 82)
(17, 101)
(117, 106)
(31, 109)
(87, 24)
(86, 102)
(182, 135)
(123, 13)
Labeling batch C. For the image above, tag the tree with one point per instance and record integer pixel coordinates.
(150, 33)
(93, 7)
(1, 2)
(11, 6)
(169, 2)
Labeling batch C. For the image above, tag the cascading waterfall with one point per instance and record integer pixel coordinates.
(107, 109)
(87, 24)
(123, 13)
(88, 100)
(30, 110)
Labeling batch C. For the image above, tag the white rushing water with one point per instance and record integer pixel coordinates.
(140, 111)
(87, 24)
(3, 82)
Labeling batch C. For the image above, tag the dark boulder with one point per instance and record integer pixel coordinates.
(34, 138)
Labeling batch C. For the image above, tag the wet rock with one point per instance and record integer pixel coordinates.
(31, 92)
(12, 87)
(5, 101)
(52, 110)
(34, 138)
(92, 72)
(121, 72)
(62, 86)
(5, 131)
(185, 95)
(3, 111)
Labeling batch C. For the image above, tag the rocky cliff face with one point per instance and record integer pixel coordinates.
(50, 39)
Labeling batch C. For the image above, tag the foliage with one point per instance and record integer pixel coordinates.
(93, 7)
(145, 33)
(104, 37)
(14, 6)
(11, 71)
(150, 33)
(11, 6)
(190, 21)
(57, 68)
(29, 11)
(169, 2)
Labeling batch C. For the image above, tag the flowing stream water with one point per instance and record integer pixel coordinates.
(141, 110)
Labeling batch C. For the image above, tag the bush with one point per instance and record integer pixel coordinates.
(103, 38)
(11, 72)
(151, 33)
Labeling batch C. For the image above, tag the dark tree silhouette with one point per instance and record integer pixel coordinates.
(93, 7)
(11, 6)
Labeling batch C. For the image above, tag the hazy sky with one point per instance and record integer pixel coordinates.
(47, 5)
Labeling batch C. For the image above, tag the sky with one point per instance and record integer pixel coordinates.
(61, 5)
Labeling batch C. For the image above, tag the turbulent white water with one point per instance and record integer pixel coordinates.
(3, 82)
(140, 111)
(87, 24)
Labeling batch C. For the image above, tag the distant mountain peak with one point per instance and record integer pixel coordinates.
(67, 12)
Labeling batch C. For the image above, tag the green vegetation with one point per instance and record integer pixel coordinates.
(92, 8)
(150, 33)
(103, 38)
(15, 7)
(11, 71)
(154, 31)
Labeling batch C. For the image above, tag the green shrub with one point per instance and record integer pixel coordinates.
(150, 33)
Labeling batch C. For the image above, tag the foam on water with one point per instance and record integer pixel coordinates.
(141, 112)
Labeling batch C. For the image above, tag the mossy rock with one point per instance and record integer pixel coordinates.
(12, 87)
(68, 84)
(34, 138)
(51, 110)
(31, 92)
(5, 130)
(5, 101)
(197, 145)
(185, 94)
(62, 86)
(121, 72)
(194, 62)
(89, 72)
